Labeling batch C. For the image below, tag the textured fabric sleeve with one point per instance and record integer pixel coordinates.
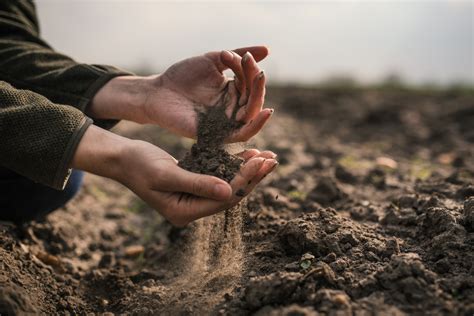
(28, 62)
(37, 137)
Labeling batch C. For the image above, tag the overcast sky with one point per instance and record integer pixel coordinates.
(423, 41)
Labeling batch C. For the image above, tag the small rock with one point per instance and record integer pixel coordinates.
(386, 162)
(134, 250)
(446, 158)
(307, 256)
(49, 259)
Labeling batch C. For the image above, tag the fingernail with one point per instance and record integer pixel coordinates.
(246, 56)
(272, 110)
(261, 75)
(221, 190)
(274, 166)
(260, 161)
(271, 162)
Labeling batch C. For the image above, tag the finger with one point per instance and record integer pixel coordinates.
(248, 153)
(256, 99)
(268, 166)
(234, 62)
(254, 153)
(246, 180)
(258, 52)
(250, 69)
(192, 208)
(200, 185)
(247, 172)
(267, 154)
(251, 128)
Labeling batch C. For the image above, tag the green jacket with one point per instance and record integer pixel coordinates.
(43, 95)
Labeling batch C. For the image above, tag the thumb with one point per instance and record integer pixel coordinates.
(201, 185)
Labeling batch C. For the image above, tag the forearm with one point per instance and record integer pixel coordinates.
(123, 98)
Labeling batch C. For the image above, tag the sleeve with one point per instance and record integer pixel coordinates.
(27, 62)
(37, 137)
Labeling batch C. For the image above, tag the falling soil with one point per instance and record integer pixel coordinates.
(215, 253)
(374, 216)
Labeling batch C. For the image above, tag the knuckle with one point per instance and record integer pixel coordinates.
(197, 186)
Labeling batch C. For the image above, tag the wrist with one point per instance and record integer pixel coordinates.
(102, 153)
(123, 97)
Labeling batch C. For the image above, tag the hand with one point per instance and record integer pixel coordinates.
(172, 98)
(156, 178)
(199, 81)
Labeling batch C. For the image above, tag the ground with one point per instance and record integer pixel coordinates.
(370, 212)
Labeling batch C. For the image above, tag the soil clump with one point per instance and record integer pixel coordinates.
(208, 155)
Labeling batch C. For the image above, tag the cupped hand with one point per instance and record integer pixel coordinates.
(182, 196)
(198, 82)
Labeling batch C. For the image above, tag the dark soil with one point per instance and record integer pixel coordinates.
(371, 212)
(208, 155)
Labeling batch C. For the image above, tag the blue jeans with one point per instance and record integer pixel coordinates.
(22, 200)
